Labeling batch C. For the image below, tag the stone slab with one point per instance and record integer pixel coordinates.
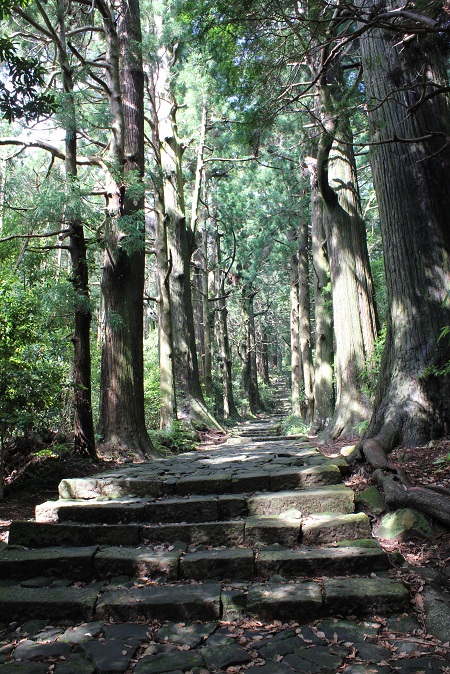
(335, 498)
(119, 511)
(72, 603)
(268, 530)
(113, 487)
(178, 661)
(231, 507)
(178, 602)
(74, 563)
(236, 564)
(364, 596)
(250, 481)
(192, 509)
(136, 562)
(319, 529)
(314, 561)
(206, 533)
(219, 483)
(191, 635)
(42, 534)
(289, 601)
(110, 655)
(222, 657)
(305, 478)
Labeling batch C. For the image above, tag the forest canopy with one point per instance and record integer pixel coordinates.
(198, 199)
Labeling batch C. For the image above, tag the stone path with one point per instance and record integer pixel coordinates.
(248, 557)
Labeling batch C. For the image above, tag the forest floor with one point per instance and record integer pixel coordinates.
(33, 478)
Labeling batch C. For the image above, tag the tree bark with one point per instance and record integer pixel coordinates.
(305, 321)
(323, 375)
(229, 405)
(296, 368)
(83, 425)
(249, 369)
(354, 314)
(190, 402)
(122, 419)
(412, 183)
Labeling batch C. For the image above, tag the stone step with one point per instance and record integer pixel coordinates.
(87, 564)
(335, 498)
(251, 531)
(206, 601)
(309, 468)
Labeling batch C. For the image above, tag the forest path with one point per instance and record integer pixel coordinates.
(231, 549)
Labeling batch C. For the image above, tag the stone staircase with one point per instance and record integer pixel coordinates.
(261, 527)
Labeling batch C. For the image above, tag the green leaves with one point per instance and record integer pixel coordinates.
(20, 95)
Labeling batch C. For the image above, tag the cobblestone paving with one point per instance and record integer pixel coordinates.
(103, 615)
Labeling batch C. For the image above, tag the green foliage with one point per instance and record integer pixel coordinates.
(293, 425)
(152, 392)
(20, 95)
(371, 372)
(176, 440)
(362, 427)
(33, 368)
(442, 460)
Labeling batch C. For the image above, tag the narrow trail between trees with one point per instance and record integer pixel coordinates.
(246, 557)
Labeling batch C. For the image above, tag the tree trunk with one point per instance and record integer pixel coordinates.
(249, 370)
(354, 315)
(207, 345)
(83, 425)
(190, 403)
(296, 368)
(323, 375)
(122, 419)
(229, 405)
(305, 321)
(412, 183)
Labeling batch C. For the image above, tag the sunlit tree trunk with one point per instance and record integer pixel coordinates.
(190, 403)
(296, 369)
(249, 369)
(229, 405)
(304, 319)
(323, 374)
(354, 314)
(122, 419)
(412, 183)
(83, 425)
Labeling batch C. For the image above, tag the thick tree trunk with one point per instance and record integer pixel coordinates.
(190, 403)
(305, 321)
(83, 425)
(323, 374)
(168, 413)
(412, 183)
(296, 368)
(354, 315)
(122, 419)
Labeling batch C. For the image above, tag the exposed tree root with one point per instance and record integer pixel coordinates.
(433, 501)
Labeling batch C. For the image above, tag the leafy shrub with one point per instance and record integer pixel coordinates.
(34, 370)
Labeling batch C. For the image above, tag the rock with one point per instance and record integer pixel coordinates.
(76, 663)
(404, 524)
(110, 655)
(191, 635)
(222, 657)
(32, 650)
(168, 662)
(437, 613)
(373, 499)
